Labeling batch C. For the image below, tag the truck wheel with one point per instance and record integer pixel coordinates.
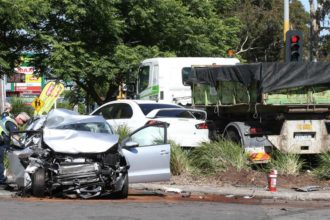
(38, 183)
(233, 136)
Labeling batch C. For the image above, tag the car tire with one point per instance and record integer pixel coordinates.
(38, 183)
(123, 193)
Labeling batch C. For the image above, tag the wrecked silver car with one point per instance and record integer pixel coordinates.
(66, 154)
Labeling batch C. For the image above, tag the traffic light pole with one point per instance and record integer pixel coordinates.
(286, 18)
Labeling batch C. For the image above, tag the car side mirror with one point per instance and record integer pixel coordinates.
(130, 144)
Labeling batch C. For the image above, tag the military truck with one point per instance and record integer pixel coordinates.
(266, 106)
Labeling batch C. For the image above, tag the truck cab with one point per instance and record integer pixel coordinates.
(164, 79)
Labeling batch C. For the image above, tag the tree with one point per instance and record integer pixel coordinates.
(17, 30)
(319, 15)
(262, 28)
(98, 43)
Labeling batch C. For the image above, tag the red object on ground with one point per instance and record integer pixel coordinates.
(272, 180)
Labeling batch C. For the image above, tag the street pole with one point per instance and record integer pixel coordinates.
(286, 18)
(286, 24)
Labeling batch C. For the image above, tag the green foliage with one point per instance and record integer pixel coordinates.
(323, 170)
(262, 37)
(19, 106)
(179, 162)
(286, 163)
(218, 156)
(122, 131)
(97, 44)
(18, 28)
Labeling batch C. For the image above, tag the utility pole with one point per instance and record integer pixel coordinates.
(286, 18)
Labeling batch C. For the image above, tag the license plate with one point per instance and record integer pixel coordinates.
(303, 137)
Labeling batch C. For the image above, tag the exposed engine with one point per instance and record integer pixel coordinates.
(70, 162)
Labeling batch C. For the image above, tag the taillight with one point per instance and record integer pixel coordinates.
(152, 122)
(255, 131)
(201, 126)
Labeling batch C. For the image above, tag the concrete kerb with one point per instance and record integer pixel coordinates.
(6, 193)
(245, 192)
(229, 191)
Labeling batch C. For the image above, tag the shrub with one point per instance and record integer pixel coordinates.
(323, 170)
(179, 160)
(286, 163)
(122, 131)
(219, 156)
(19, 106)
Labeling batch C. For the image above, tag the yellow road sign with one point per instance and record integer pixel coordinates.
(37, 104)
(49, 95)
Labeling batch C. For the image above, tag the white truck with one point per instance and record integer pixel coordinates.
(164, 79)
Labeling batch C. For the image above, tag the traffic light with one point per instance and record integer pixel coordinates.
(294, 46)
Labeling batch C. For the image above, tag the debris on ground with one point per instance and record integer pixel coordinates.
(307, 188)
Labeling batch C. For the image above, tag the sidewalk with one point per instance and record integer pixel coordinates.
(320, 194)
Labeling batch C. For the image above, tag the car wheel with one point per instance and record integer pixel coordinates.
(123, 193)
(38, 183)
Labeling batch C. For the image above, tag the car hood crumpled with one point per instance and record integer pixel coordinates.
(78, 142)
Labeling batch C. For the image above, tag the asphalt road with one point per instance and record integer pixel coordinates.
(150, 205)
(57, 209)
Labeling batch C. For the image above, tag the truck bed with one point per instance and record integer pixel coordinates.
(251, 85)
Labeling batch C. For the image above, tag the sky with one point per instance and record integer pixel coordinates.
(305, 4)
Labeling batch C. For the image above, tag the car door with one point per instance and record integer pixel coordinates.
(148, 154)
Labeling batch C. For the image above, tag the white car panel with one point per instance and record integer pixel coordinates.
(129, 113)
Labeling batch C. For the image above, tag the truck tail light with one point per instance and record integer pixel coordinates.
(201, 126)
(254, 131)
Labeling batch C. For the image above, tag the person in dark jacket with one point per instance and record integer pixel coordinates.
(8, 125)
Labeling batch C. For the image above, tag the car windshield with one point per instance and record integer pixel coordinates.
(96, 127)
(148, 107)
(174, 113)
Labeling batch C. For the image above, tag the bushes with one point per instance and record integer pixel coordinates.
(179, 162)
(286, 163)
(19, 106)
(218, 156)
(122, 131)
(323, 170)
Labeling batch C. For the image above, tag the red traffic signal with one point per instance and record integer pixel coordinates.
(294, 39)
(293, 46)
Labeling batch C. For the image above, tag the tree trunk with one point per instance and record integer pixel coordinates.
(315, 29)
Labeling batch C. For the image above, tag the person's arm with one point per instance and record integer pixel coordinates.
(12, 127)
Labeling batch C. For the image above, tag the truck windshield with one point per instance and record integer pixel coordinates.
(186, 71)
(143, 78)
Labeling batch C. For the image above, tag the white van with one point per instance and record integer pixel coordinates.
(163, 79)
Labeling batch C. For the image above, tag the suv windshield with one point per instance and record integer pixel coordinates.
(146, 108)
